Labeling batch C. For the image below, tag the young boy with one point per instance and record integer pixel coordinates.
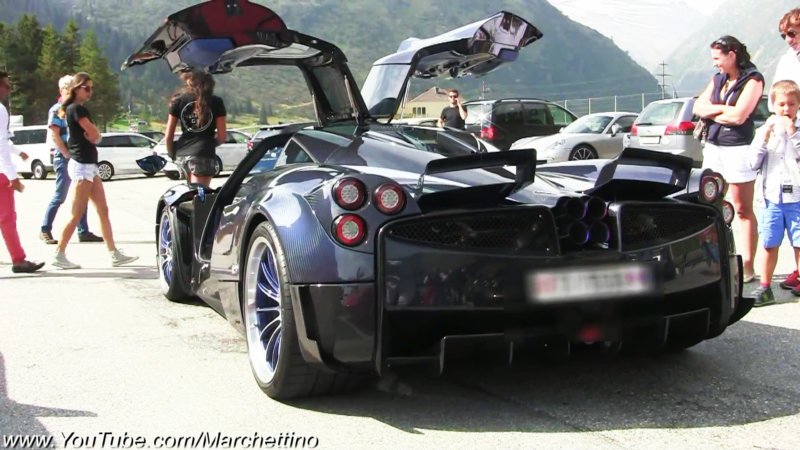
(775, 152)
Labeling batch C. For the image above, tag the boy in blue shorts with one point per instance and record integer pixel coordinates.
(775, 152)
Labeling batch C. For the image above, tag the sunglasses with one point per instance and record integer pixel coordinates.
(722, 43)
(792, 34)
(86, 88)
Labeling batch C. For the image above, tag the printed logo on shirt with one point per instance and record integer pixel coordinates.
(190, 121)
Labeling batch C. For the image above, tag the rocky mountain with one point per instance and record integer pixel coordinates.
(753, 23)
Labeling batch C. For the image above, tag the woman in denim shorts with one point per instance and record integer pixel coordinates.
(202, 118)
(82, 169)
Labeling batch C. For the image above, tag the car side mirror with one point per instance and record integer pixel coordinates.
(615, 129)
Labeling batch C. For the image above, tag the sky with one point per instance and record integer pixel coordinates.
(632, 25)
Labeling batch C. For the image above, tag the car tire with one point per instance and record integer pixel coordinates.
(218, 162)
(582, 152)
(105, 170)
(173, 175)
(149, 174)
(38, 171)
(169, 260)
(270, 330)
(26, 176)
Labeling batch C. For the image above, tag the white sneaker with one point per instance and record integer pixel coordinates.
(61, 261)
(118, 258)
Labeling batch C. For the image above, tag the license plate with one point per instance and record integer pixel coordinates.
(563, 285)
(650, 140)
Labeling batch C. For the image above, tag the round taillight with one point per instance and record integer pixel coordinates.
(350, 229)
(349, 193)
(727, 212)
(390, 198)
(709, 189)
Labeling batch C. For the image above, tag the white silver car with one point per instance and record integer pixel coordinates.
(117, 154)
(229, 154)
(592, 136)
(33, 141)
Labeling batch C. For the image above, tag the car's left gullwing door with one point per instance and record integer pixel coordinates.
(474, 49)
(219, 35)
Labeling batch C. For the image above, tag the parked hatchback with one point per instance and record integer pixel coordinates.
(667, 126)
(502, 122)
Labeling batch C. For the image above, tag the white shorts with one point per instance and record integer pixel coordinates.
(79, 171)
(730, 162)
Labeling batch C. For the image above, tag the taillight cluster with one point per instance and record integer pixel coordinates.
(679, 129)
(634, 130)
(489, 133)
(713, 188)
(580, 221)
(249, 145)
(351, 194)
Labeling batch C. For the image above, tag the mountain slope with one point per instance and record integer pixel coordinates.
(753, 23)
(632, 28)
(571, 61)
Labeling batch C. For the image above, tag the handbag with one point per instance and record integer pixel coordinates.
(700, 130)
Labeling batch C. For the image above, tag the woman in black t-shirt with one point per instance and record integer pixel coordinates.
(82, 169)
(202, 118)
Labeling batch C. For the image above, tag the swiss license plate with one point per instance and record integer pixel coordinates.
(586, 283)
(650, 140)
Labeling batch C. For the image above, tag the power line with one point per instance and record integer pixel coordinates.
(663, 75)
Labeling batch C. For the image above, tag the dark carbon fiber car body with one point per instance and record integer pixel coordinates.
(468, 245)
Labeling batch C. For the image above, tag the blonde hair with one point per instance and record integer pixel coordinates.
(64, 81)
(785, 87)
(789, 20)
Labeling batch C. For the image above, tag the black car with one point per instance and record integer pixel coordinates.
(505, 121)
(365, 247)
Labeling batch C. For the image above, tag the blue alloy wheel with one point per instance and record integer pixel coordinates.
(169, 275)
(165, 256)
(262, 309)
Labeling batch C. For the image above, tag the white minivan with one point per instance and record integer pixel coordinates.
(117, 154)
(33, 141)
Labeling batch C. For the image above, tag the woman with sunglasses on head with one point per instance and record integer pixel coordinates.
(728, 103)
(82, 169)
(203, 127)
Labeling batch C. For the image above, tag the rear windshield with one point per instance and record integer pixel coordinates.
(478, 113)
(660, 113)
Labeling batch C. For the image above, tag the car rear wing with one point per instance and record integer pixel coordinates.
(638, 174)
(524, 162)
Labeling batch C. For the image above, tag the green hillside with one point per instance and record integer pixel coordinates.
(571, 61)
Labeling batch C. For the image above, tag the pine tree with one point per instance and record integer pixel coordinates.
(23, 45)
(71, 42)
(105, 104)
(52, 65)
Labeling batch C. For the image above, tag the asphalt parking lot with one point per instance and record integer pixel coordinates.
(98, 352)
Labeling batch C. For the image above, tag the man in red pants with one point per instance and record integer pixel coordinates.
(9, 182)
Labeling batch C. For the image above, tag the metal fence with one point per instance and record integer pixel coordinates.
(629, 103)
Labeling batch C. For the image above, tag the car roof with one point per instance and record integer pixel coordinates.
(29, 127)
(500, 100)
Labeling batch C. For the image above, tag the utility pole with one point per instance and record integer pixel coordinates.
(663, 75)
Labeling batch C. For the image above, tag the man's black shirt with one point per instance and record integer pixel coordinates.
(452, 117)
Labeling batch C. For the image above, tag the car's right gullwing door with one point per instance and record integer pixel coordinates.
(474, 49)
